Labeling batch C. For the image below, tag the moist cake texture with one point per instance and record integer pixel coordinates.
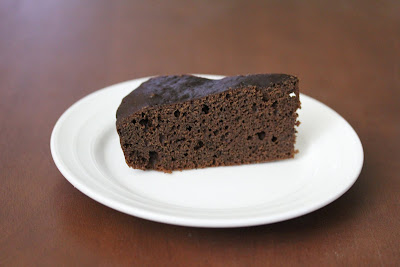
(183, 122)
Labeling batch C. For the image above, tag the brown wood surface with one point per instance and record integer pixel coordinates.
(53, 53)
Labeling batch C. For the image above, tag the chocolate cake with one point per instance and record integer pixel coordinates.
(184, 122)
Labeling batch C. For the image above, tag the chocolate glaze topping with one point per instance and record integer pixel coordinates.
(164, 90)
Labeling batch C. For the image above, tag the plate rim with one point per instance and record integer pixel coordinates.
(187, 221)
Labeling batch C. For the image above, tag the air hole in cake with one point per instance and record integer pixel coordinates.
(199, 145)
(265, 98)
(185, 154)
(144, 122)
(274, 106)
(177, 113)
(153, 156)
(205, 109)
(273, 139)
(227, 96)
(249, 137)
(161, 138)
(254, 107)
(189, 128)
(133, 121)
(261, 135)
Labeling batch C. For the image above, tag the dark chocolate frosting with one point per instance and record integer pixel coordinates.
(164, 90)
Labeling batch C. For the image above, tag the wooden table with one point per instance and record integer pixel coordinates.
(53, 53)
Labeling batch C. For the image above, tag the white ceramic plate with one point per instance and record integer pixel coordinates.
(86, 150)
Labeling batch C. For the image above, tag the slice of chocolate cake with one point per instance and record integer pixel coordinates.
(184, 122)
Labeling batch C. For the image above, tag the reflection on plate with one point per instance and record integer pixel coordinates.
(85, 148)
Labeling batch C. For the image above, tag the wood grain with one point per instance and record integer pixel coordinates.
(53, 53)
